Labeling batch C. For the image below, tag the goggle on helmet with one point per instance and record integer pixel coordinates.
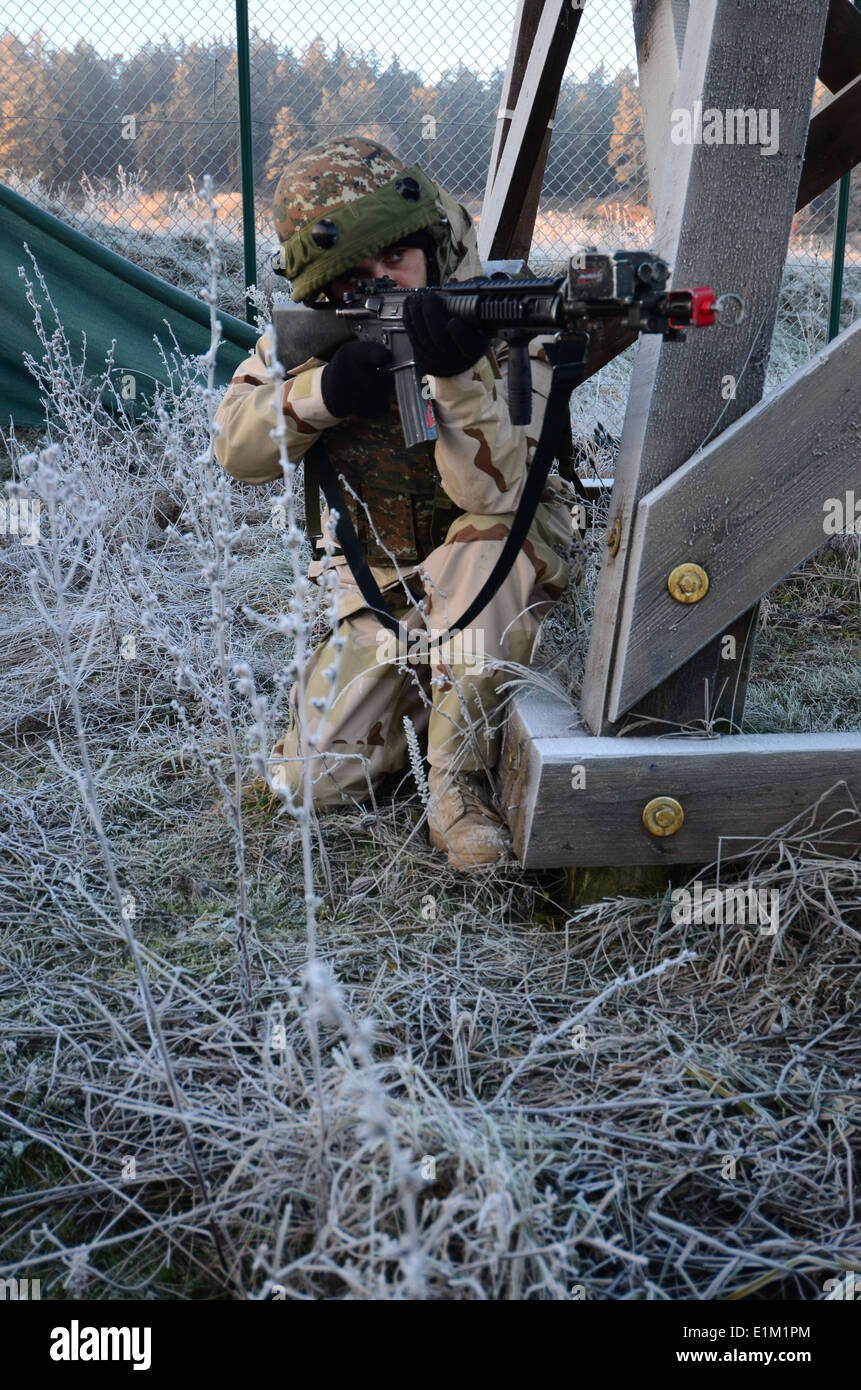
(321, 251)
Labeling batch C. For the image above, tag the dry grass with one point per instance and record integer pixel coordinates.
(695, 1140)
(457, 1088)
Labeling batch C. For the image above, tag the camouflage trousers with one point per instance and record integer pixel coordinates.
(450, 694)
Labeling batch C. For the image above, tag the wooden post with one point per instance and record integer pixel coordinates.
(834, 143)
(841, 47)
(543, 34)
(839, 65)
(520, 239)
(724, 219)
(659, 34)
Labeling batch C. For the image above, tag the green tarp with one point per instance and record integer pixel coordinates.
(102, 295)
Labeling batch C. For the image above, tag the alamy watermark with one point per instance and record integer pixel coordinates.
(842, 515)
(736, 126)
(76, 1343)
(848, 1287)
(733, 906)
(20, 1289)
(19, 516)
(423, 648)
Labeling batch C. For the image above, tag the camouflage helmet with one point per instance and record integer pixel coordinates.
(346, 199)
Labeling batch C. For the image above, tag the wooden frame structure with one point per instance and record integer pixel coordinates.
(714, 487)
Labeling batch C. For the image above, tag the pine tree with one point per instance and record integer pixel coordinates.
(288, 140)
(394, 97)
(195, 131)
(627, 152)
(577, 158)
(85, 91)
(421, 128)
(465, 122)
(352, 109)
(316, 64)
(31, 139)
(268, 95)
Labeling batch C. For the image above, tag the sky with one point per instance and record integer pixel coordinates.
(476, 31)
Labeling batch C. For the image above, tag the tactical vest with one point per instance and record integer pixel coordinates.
(399, 487)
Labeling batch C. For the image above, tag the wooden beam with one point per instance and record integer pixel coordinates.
(833, 143)
(746, 527)
(522, 137)
(840, 64)
(659, 32)
(572, 799)
(840, 61)
(522, 39)
(741, 53)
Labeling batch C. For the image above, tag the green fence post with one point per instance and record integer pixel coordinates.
(838, 255)
(246, 153)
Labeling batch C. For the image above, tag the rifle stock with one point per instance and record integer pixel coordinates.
(301, 332)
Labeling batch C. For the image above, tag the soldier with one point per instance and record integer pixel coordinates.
(440, 513)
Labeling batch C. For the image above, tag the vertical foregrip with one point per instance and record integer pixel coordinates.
(519, 382)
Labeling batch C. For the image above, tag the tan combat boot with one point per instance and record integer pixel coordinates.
(462, 821)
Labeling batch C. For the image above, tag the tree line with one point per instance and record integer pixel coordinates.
(169, 113)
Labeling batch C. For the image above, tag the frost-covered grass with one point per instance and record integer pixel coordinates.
(243, 1054)
(164, 233)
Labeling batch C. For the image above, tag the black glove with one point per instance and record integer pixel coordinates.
(442, 345)
(353, 384)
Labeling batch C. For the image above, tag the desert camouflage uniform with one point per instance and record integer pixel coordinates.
(480, 459)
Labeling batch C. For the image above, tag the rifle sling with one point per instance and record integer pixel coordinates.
(313, 522)
(566, 375)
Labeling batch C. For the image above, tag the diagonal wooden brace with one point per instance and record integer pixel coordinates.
(747, 509)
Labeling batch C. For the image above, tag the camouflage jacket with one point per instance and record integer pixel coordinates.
(480, 457)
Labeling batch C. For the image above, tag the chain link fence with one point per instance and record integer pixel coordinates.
(111, 125)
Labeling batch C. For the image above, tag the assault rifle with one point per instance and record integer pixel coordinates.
(627, 286)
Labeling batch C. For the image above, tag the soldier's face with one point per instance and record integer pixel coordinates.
(404, 264)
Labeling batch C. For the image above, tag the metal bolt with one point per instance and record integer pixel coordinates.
(614, 535)
(663, 815)
(688, 583)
